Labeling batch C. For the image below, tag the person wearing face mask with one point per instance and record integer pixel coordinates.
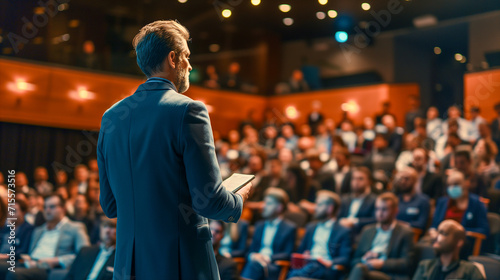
(461, 206)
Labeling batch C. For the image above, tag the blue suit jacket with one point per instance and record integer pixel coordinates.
(159, 175)
(475, 217)
(283, 242)
(339, 243)
(366, 212)
(239, 247)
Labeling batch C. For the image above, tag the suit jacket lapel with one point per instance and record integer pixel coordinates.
(109, 262)
(36, 237)
(91, 258)
(62, 232)
(392, 240)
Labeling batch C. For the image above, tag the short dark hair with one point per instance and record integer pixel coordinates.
(62, 201)
(463, 153)
(279, 195)
(23, 206)
(155, 41)
(389, 196)
(221, 224)
(365, 170)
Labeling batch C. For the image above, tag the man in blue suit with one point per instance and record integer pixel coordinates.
(358, 208)
(326, 241)
(158, 170)
(274, 238)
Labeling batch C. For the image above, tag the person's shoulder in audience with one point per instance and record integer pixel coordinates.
(466, 270)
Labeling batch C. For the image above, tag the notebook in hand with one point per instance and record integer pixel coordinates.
(236, 181)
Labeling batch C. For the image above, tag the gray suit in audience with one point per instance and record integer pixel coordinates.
(73, 237)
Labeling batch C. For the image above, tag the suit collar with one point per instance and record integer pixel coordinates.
(157, 84)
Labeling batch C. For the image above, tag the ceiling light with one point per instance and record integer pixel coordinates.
(365, 6)
(255, 2)
(323, 2)
(214, 47)
(463, 60)
(320, 15)
(288, 21)
(458, 57)
(341, 36)
(285, 8)
(332, 13)
(226, 13)
(437, 50)
(74, 23)
(182, 1)
(63, 7)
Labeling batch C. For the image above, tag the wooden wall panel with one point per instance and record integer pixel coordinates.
(482, 89)
(50, 103)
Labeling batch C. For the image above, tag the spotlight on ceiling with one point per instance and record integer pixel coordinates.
(288, 21)
(285, 8)
(365, 6)
(332, 13)
(320, 15)
(323, 2)
(341, 36)
(255, 2)
(437, 50)
(226, 13)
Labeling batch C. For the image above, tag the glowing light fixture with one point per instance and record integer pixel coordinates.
(20, 86)
(437, 50)
(341, 36)
(288, 21)
(320, 15)
(350, 106)
(226, 13)
(255, 2)
(332, 13)
(182, 1)
(458, 57)
(81, 94)
(365, 6)
(291, 112)
(322, 2)
(285, 8)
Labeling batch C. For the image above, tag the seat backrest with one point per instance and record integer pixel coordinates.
(494, 222)
(491, 266)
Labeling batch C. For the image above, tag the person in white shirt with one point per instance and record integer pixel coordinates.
(434, 123)
(96, 262)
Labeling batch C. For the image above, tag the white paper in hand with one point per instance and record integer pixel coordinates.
(236, 181)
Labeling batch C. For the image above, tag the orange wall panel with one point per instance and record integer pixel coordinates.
(50, 103)
(482, 89)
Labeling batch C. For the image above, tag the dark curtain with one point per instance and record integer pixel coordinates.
(24, 147)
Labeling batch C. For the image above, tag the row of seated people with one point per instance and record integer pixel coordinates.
(60, 248)
(353, 221)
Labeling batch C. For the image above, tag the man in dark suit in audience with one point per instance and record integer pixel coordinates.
(326, 242)
(357, 208)
(343, 173)
(428, 182)
(227, 267)
(23, 232)
(274, 238)
(385, 249)
(449, 242)
(96, 262)
(414, 207)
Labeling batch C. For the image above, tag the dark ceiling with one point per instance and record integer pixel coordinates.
(111, 24)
